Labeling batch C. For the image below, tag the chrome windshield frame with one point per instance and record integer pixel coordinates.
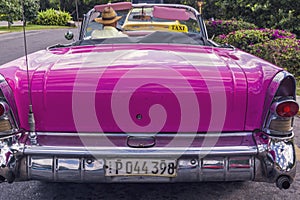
(198, 18)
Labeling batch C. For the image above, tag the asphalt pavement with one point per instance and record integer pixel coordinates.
(12, 44)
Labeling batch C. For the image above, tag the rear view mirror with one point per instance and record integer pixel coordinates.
(69, 35)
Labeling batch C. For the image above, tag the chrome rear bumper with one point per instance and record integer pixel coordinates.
(234, 157)
(189, 169)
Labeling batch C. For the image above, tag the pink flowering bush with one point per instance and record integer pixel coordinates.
(276, 46)
(284, 53)
(243, 39)
(219, 27)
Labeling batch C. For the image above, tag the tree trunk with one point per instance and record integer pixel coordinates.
(62, 4)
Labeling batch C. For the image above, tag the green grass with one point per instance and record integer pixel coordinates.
(30, 27)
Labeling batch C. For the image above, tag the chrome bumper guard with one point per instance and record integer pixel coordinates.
(266, 159)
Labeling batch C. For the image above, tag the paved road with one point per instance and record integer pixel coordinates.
(12, 47)
(12, 44)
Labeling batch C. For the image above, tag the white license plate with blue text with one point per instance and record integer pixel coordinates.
(142, 167)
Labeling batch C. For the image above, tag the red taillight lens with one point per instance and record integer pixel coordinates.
(287, 109)
(2, 109)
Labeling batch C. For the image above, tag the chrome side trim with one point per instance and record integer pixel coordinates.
(115, 143)
(127, 151)
(234, 134)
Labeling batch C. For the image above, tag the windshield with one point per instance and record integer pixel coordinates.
(143, 15)
(139, 24)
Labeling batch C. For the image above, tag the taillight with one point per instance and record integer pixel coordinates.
(287, 109)
(281, 117)
(282, 107)
(4, 122)
(3, 108)
(8, 111)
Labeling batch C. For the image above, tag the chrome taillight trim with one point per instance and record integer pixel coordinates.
(273, 88)
(272, 101)
(272, 115)
(6, 97)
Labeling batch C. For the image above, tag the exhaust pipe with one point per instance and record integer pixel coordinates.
(2, 179)
(283, 182)
(8, 177)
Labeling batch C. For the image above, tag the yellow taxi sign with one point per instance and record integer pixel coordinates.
(178, 28)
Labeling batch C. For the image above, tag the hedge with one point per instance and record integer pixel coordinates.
(276, 46)
(242, 39)
(53, 17)
(219, 27)
(283, 52)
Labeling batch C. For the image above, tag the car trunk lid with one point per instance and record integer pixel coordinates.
(138, 88)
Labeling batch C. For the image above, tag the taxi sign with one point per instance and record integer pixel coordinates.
(178, 28)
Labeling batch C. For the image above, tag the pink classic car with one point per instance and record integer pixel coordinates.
(158, 105)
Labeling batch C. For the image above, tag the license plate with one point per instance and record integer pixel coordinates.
(141, 167)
